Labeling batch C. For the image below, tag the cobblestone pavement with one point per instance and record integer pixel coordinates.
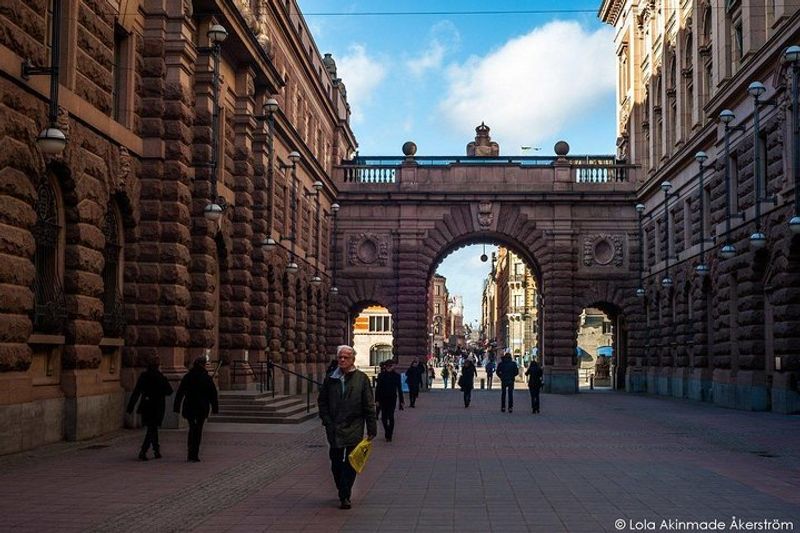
(587, 461)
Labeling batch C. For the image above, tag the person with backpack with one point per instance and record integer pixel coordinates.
(153, 388)
(490, 368)
(534, 373)
(196, 396)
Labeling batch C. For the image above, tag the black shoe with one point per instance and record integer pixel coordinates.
(510, 410)
(193, 459)
(502, 409)
(345, 504)
(157, 454)
(143, 456)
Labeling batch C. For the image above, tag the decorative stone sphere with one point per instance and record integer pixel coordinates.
(409, 149)
(561, 148)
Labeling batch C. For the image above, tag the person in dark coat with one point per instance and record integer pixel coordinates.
(197, 393)
(152, 387)
(387, 390)
(507, 371)
(534, 373)
(490, 367)
(345, 404)
(467, 380)
(414, 380)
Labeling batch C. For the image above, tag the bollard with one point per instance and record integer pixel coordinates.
(591, 382)
(373, 382)
(483, 383)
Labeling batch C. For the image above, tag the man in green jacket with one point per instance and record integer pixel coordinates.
(345, 404)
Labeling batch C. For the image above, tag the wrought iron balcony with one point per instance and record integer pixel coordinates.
(50, 307)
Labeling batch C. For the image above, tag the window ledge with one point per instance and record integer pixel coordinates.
(112, 341)
(41, 338)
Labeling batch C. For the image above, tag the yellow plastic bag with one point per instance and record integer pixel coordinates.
(358, 457)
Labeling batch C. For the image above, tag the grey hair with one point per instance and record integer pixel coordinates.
(342, 347)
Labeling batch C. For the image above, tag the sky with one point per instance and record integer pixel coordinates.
(533, 78)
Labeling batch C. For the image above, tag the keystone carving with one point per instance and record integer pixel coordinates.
(485, 216)
(602, 249)
(368, 249)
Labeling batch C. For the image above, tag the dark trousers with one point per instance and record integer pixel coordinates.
(510, 388)
(534, 399)
(387, 419)
(467, 396)
(195, 436)
(343, 473)
(151, 438)
(412, 395)
(489, 378)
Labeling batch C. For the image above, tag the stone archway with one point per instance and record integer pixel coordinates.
(576, 235)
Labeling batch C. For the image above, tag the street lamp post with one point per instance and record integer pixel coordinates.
(756, 89)
(335, 211)
(667, 281)
(294, 157)
(270, 108)
(728, 249)
(702, 267)
(214, 209)
(792, 55)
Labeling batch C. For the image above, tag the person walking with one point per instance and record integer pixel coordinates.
(534, 373)
(345, 405)
(490, 367)
(196, 395)
(388, 389)
(507, 371)
(414, 380)
(431, 375)
(467, 381)
(153, 388)
(445, 374)
(453, 375)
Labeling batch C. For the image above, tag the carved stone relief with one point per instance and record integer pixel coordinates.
(603, 250)
(368, 249)
(485, 216)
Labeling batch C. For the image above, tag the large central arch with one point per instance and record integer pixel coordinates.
(578, 237)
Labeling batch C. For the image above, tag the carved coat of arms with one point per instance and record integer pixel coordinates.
(485, 216)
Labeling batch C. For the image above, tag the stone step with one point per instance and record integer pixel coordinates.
(284, 411)
(249, 395)
(263, 405)
(263, 419)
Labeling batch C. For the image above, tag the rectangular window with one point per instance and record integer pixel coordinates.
(738, 41)
(380, 324)
(119, 95)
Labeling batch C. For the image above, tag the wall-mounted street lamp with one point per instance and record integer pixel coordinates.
(334, 212)
(294, 157)
(50, 140)
(792, 56)
(728, 250)
(756, 89)
(702, 268)
(316, 280)
(640, 291)
(666, 282)
(268, 244)
(217, 205)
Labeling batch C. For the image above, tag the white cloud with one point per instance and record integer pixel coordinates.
(444, 38)
(531, 86)
(361, 74)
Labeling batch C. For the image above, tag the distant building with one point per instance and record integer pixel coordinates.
(372, 336)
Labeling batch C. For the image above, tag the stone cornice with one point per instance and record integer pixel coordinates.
(610, 10)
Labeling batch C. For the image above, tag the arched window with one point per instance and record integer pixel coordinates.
(49, 309)
(688, 86)
(379, 353)
(705, 53)
(113, 309)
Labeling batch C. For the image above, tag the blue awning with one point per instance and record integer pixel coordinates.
(605, 351)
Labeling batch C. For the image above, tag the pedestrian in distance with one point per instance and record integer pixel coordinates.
(445, 375)
(431, 375)
(345, 405)
(467, 381)
(388, 389)
(490, 367)
(453, 375)
(414, 381)
(153, 388)
(196, 396)
(507, 371)
(534, 373)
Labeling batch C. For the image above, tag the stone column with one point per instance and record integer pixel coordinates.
(411, 333)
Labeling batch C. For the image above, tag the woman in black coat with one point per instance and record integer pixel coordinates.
(153, 388)
(198, 394)
(467, 380)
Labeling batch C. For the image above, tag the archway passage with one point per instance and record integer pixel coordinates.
(574, 235)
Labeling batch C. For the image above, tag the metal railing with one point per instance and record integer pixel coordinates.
(263, 373)
(272, 366)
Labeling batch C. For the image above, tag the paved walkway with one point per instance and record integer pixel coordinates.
(587, 461)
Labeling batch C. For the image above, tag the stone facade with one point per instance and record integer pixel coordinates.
(730, 337)
(106, 259)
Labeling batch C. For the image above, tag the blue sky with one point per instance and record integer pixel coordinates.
(533, 78)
